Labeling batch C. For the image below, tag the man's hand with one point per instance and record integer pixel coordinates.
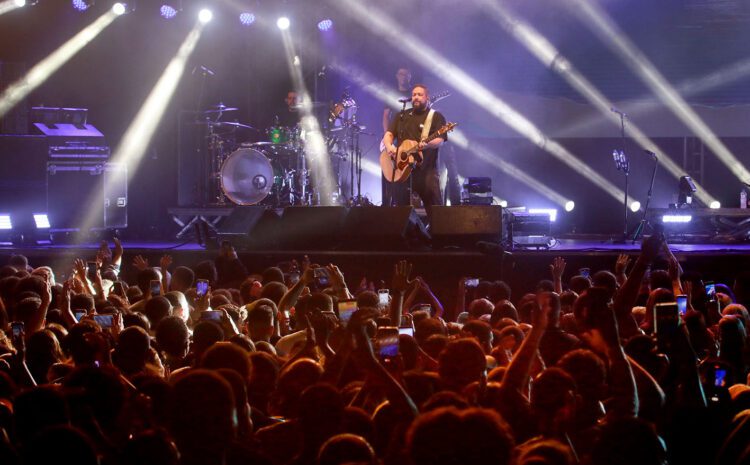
(80, 268)
(401, 271)
(336, 277)
(621, 265)
(392, 150)
(557, 268)
(164, 263)
(140, 262)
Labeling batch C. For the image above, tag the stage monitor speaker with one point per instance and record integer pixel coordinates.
(465, 225)
(384, 228)
(311, 228)
(250, 227)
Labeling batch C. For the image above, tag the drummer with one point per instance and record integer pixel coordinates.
(289, 115)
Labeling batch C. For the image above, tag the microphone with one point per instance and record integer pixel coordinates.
(615, 110)
(650, 153)
(404, 100)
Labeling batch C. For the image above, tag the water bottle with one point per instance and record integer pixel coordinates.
(743, 198)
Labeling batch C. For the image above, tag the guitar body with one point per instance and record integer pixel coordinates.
(407, 158)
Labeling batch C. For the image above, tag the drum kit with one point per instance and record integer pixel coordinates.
(275, 172)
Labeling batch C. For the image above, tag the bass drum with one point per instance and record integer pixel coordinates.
(247, 176)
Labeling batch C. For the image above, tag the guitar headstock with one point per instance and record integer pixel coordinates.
(447, 128)
(439, 96)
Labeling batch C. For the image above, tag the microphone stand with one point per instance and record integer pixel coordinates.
(641, 226)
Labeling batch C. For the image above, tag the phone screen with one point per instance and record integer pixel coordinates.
(384, 296)
(666, 318)
(321, 277)
(17, 328)
(408, 330)
(202, 287)
(720, 377)
(91, 271)
(472, 282)
(585, 272)
(212, 315)
(386, 339)
(79, 314)
(682, 304)
(346, 310)
(155, 287)
(105, 321)
(711, 291)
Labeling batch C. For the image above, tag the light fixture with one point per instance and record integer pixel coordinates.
(205, 15)
(167, 11)
(41, 220)
(676, 218)
(715, 205)
(569, 206)
(635, 206)
(325, 25)
(283, 23)
(686, 189)
(5, 221)
(247, 18)
(82, 5)
(119, 8)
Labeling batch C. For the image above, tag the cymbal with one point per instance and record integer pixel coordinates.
(220, 108)
(231, 123)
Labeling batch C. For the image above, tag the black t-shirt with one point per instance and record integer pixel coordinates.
(407, 125)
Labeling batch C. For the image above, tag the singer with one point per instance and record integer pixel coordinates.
(409, 125)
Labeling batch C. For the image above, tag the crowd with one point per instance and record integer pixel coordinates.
(217, 365)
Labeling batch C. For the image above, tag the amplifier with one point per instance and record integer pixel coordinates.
(75, 189)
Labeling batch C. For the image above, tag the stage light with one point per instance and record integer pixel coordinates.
(5, 222)
(20, 3)
(635, 206)
(120, 8)
(569, 206)
(205, 15)
(378, 22)
(82, 5)
(552, 212)
(41, 220)
(325, 25)
(676, 218)
(715, 205)
(503, 203)
(247, 19)
(601, 24)
(283, 23)
(37, 75)
(167, 11)
(551, 57)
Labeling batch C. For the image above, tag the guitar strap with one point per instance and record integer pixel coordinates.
(427, 125)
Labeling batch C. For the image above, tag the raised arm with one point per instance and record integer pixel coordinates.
(517, 374)
(399, 285)
(557, 268)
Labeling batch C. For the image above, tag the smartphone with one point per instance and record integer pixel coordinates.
(292, 277)
(407, 330)
(384, 296)
(155, 287)
(386, 342)
(585, 272)
(79, 314)
(720, 376)
(682, 304)
(425, 308)
(407, 321)
(202, 287)
(211, 315)
(105, 321)
(666, 319)
(16, 329)
(117, 288)
(321, 277)
(471, 282)
(346, 310)
(711, 291)
(91, 271)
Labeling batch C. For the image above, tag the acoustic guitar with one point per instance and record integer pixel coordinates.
(408, 157)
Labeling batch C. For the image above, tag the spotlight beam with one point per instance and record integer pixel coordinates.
(8, 6)
(53, 62)
(603, 26)
(316, 150)
(547, 53)
(137, 137)
(390, 97)
(382, 25)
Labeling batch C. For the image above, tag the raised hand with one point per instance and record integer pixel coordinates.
(651, 246)
(164, 263)
(140, 262)
(401, 271)
(622, 263)
(336, 276)
(557, 268)
(79, 266)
